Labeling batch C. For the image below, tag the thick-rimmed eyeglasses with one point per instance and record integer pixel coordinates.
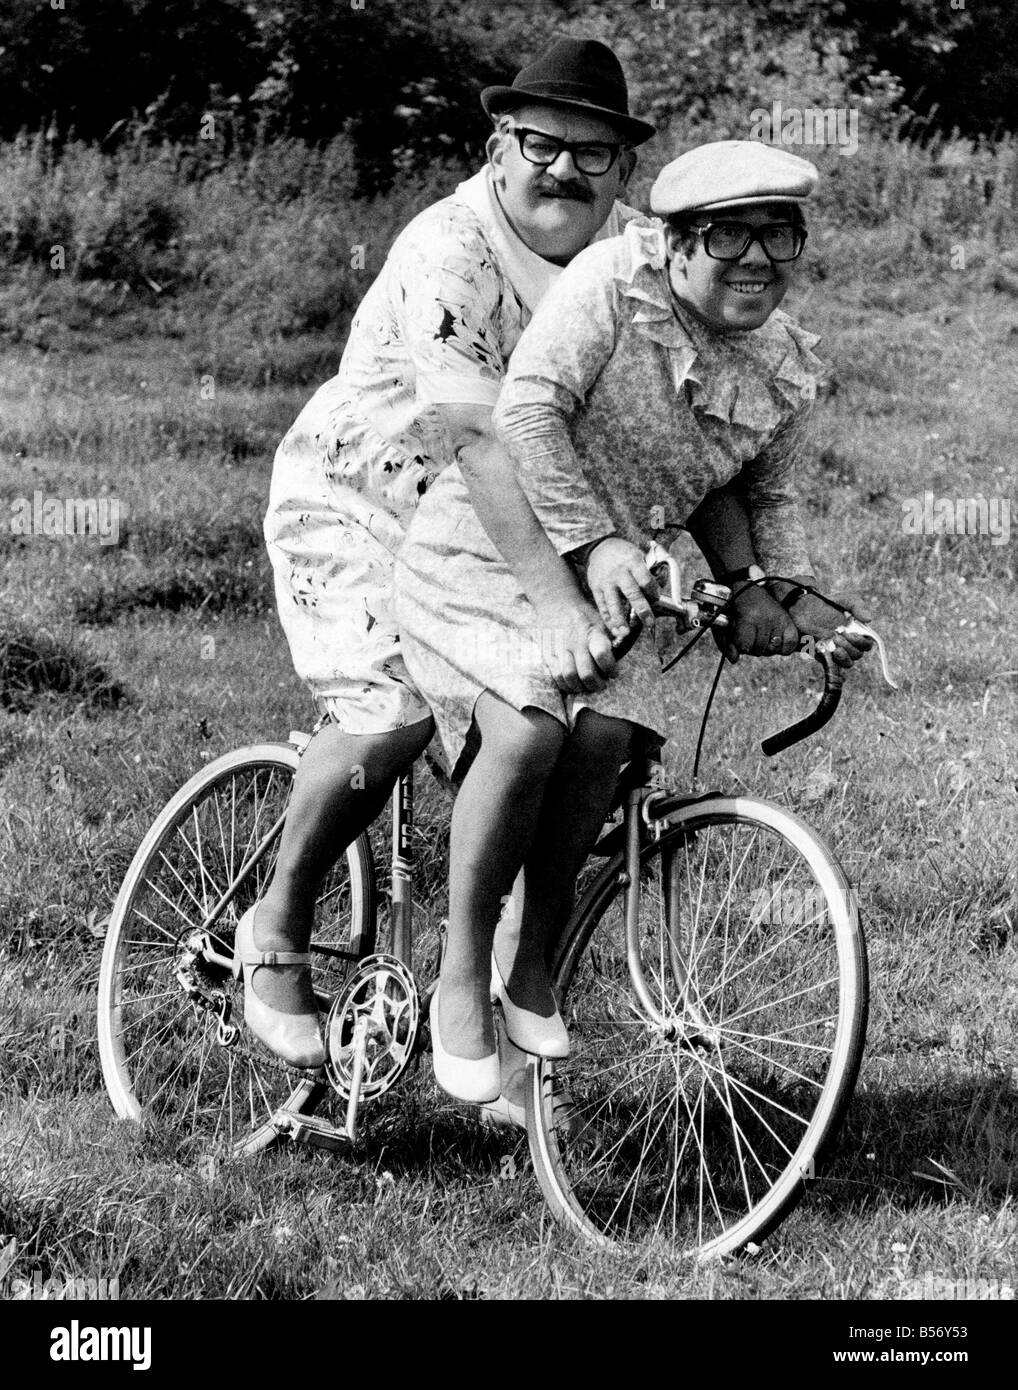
(729, 241)
(589, 156)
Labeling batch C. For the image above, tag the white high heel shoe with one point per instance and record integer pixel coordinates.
(477, 1081)
(542, 1037)
(295, 1038)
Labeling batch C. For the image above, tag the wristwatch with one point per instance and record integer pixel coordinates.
(747, 574)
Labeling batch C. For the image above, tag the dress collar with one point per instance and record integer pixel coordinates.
(750, 379)
(530, 275)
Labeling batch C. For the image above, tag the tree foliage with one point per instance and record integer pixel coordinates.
(401, 77)
(94, 64)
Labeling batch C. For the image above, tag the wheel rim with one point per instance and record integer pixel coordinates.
(698, 1122)
(165, 994)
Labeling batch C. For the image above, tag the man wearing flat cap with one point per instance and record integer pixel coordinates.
(420, 373)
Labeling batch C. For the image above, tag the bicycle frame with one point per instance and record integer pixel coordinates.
(647, 786)
(402, 899)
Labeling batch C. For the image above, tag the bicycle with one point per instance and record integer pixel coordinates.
(714, 1044)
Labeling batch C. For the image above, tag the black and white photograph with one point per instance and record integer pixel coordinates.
(508, 679)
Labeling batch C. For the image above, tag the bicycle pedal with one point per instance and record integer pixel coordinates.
(309, 1129)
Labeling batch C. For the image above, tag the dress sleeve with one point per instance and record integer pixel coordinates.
(768, 481)
(449, 302)
(555, 364)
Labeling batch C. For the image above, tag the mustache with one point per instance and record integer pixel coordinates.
(566, 190)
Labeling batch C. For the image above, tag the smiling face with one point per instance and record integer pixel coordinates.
(553, 208)
(731, 296)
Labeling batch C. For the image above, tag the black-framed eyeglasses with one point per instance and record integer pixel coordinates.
(590, 156)
(729, 241)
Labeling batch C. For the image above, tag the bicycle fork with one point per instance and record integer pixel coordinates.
(681, 1019)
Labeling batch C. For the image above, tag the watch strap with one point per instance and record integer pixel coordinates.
(795, 593)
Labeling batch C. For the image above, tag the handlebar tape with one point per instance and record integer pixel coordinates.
(834, 679)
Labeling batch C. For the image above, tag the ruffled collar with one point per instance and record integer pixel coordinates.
(749, 379)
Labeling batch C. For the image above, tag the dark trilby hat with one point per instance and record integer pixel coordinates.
(579, 74)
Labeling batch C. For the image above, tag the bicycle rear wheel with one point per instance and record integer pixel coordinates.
(699, 1107)
(173, 1047)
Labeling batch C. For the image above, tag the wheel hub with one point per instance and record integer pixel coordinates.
(200, 976)
(204, 980)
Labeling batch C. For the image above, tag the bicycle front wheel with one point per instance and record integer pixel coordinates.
(174, 1051)
(694, 1108)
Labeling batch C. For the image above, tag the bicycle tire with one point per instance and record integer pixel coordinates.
(704, 1139)
(161, 1061)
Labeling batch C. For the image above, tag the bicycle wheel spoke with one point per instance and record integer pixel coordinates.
(789, 1071)
(756, 962)
(745, 1090)
(151, 1035)
(827, 1021)
(737, 1130)
(785, 999)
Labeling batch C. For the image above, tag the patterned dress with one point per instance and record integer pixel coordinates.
(436, 327)
(620, 415)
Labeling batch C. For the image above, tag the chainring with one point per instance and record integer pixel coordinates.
(381, 991)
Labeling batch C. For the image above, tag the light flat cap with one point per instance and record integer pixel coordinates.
(729, 172)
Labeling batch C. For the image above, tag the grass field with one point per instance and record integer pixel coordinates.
(125, 666)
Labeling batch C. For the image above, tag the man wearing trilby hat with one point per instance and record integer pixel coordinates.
(420, 374)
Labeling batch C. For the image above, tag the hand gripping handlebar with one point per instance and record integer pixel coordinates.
(834, 679)
(704, 608)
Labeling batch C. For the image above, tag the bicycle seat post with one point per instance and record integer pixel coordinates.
(402, 868)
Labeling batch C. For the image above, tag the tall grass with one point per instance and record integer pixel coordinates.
(267, 253)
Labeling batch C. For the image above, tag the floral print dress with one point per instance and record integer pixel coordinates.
(620, 415)
(436, 327)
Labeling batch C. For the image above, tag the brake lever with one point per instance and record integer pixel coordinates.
(657, 555)
(687, 612)
(855, 628)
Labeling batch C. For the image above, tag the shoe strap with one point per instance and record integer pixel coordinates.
(275, 958)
